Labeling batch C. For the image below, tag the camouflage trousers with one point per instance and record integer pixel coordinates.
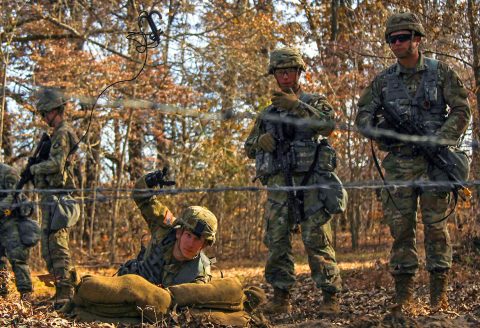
(17, 254)
(55, 250)
(401, 216)
(316, 236)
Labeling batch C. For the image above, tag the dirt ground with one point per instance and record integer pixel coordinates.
(365, 299)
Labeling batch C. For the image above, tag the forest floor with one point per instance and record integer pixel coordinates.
(368, 289)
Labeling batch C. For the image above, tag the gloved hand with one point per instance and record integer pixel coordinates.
(267, 142)
(6, 202)
(158, 178)
(33, 169)
(287, 101)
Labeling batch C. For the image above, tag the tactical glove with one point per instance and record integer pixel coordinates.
(267, 142)
(286, 101)
(158, 178)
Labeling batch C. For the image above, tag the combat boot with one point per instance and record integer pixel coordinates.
(62, 296)
(404, 284)
(438, 289)
(26, 296)
(280, 302)
(331, 304)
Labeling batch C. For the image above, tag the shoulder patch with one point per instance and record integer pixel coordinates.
(169, 218)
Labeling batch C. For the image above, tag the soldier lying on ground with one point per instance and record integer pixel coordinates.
(175, 252)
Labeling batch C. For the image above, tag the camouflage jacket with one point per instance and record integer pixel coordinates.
(161, 224)
(319, 111)
(8, 180)
(372, 102)
(56, 172)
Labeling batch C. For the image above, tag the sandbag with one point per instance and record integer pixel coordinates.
(230, 319)
(223, 294)
(127, 289)
(83, 315)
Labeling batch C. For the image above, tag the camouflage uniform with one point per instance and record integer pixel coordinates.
(404, 162)
(156, 263)
(315, 228)
(56, 173)
(11, 245)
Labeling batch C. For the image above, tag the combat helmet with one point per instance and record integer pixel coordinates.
(49, 99)
(285, 57)
(200, 221)
(404, 21)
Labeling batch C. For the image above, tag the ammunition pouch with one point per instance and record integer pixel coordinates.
(65, 212)
(29, 231)
(265, 165)
(334, 197)
(303, 156)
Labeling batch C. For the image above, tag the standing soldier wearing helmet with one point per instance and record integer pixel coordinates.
(289, 146)
(428, 92)
(14, 229)
(175, 253)
(59, 211)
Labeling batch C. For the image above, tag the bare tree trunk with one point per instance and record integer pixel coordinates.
(2, 109)
(92, 209)
(473, 8)
(116, 206)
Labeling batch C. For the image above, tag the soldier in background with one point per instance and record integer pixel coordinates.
(12, 243)
(431, 92)
(175, 252)
(285, 144)
(59, 210)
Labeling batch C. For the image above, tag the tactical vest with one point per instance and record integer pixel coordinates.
(427, 106)
(153, 266)
(301, 144)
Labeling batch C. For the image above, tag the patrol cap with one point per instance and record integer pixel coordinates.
(49, 99)
(404, 21)
(200, 221)
(285, 57)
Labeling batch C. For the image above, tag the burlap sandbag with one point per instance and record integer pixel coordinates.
(83, 315)
(128, 289)
(111, 310)
(230, 319)
(223, 294)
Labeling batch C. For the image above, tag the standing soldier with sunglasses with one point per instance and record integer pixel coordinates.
(59, 211)
(285, 142)
(428, 92)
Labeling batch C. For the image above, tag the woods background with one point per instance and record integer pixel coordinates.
(208, 80)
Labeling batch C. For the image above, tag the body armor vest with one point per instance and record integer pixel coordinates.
(299, 139)
(427, 106)
(152, 267)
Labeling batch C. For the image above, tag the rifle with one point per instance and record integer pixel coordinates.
(435, 155)
(285, 156)
(41, 153)
(158, 178)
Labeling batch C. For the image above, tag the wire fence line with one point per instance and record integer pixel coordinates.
(297, 121)
(103, 194)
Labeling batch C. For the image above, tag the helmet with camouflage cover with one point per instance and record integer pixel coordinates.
(200, 221)
(49, 99)
(285, 57)
(404, 21)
